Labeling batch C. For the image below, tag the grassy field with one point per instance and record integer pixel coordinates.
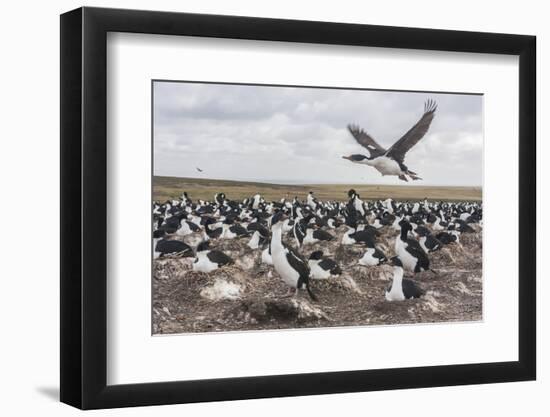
(172, 187)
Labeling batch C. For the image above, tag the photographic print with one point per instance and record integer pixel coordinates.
(283, 207)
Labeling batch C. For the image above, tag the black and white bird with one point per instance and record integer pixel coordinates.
(187, 227)
(311, 201)
(163, 247)
(185, 199)
(391, 161)
(322, 267)
(232, 230)
(354, 236)
(438, 225)
(289, 264)
(401, 288)
(299, 232)
(314, 235)
(447, 238)
(208, 260)
(427, 241)
(259, 237)
(410, 252)
(355, 203)
(373, 257)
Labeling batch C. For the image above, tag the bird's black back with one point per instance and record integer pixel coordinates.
(411, 289)
(220, 258)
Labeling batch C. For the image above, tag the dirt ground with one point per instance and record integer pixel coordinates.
(250, 295)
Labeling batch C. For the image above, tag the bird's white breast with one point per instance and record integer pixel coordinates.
(368, 259)
(316, 271)
(396, 291)
(203, 264)
(227, 233)
(309, 237)
(253, 243)
(422, 242)
(288, 274)
(184, 230)
(409, 261)
(346, 240)
(266, 257)
(387, 166)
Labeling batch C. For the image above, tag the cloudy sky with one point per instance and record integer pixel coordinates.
(298, 135)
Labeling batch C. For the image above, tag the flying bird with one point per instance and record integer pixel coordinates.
(391, 161)
(198, 169)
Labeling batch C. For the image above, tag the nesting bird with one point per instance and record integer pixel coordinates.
(373, 257)
(322, 267)
(401, 288)
(316, 235)
(208, 260)
(163, 247)
(427, 241)
(308, 221)
(410, 252)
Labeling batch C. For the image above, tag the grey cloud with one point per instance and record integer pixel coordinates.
(299, 134)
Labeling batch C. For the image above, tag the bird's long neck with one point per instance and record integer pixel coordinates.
(255, 238)
(276, 235)
(397, 277)
(368, 160)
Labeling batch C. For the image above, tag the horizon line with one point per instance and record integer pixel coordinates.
(292, 183)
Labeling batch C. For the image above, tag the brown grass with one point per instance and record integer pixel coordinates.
(198, 188)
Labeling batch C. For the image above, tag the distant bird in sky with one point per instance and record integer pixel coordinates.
(390, 162)
(198, 169)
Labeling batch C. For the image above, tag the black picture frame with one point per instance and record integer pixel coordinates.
(84, 207)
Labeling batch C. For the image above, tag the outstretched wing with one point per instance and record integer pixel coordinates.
(417, 132)
(365, 140)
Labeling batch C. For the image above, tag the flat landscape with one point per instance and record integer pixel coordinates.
(165, 188)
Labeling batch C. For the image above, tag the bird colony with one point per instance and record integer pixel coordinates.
(224, 265)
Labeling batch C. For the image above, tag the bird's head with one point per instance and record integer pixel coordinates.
(405, 225)
(356, 157)
(157, 234)
(278, 218)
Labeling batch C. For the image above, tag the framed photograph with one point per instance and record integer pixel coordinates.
(257, 208)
